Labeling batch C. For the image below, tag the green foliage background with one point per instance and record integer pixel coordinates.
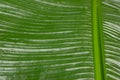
(53, 39)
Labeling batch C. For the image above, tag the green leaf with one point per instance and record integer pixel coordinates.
(111, 24)
(59, 40)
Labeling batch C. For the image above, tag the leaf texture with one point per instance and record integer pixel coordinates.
(53, 39)
(111, 24)
(46, 40)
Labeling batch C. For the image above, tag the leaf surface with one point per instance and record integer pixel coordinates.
(57, 40)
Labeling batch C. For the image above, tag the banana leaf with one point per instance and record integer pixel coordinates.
(59, 40)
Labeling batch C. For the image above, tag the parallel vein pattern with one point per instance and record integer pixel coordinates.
(111, 16)
(45, 40)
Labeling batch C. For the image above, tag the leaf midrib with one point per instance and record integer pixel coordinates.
(98, 41)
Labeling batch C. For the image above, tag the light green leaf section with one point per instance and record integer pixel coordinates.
(111, 24)
(98, 41)
(46, 40)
